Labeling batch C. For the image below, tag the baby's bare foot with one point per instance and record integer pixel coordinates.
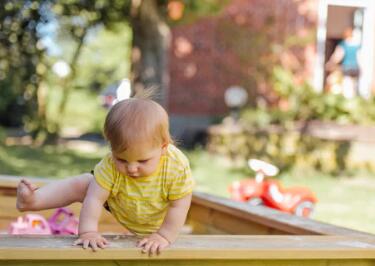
(25, 195)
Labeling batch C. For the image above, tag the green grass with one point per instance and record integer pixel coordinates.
(48, 161)
(345, 201)
(83, 114)
(213, 174)
(83, 111)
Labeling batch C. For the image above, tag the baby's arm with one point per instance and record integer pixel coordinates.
(169, 230)
(175, 218)
(89, 217)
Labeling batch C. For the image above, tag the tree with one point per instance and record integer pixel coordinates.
(150, 22)
(22, 74)
(21, 64)
(151, 39)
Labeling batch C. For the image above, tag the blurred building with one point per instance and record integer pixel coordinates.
(242, 44)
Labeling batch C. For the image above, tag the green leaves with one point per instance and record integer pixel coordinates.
(19, 57)
(299, 102)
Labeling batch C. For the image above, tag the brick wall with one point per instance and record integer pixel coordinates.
(238, 47)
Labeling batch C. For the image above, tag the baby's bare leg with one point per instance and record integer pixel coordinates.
(53, 195)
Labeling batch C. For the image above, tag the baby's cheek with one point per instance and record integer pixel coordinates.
(120, 168)
(150, 168)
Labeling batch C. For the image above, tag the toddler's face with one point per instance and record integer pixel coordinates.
(138, 161)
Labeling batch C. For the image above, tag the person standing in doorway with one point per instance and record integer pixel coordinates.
(346, 56)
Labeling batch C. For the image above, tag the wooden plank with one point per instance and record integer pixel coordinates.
(196, 263)
(274, 220)
(193, 248)
(201, 217)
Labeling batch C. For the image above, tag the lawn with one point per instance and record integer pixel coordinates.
(83, 111)
(48, 161)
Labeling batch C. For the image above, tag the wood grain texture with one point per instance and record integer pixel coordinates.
(205, 247)
(196, 263)
(211, 210)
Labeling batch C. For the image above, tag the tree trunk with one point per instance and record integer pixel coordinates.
(67, 83)
(150, 47)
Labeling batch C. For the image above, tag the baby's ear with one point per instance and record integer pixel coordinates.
(164, 148)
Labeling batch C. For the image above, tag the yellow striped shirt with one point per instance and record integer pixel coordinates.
(140, 204)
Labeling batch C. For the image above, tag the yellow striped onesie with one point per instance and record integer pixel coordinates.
(140, 204)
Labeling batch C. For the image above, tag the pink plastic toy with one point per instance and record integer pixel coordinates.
(30, 224)
(63, 222)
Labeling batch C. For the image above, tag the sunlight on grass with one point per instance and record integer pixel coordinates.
(83, 111)
(213, 174)
(48, 161)
(84, 114)
(345, 201)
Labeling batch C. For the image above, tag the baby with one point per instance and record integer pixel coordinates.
(145, 181)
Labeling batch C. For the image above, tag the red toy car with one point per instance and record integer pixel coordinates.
(297, 200)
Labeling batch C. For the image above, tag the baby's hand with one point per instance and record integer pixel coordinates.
(92, 239)
(153, 244)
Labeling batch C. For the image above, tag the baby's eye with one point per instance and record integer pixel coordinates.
(121, 160)
(143, 161)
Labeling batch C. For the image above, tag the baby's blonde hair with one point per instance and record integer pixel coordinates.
(138, 120)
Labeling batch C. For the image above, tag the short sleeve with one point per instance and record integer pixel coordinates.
(103, 173)
(181, 185)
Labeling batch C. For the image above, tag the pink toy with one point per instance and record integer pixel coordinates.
(63, 222)
(30, 224)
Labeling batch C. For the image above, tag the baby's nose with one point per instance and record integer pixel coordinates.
(132, 168)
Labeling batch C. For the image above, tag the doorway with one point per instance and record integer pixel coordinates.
(334, 17)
